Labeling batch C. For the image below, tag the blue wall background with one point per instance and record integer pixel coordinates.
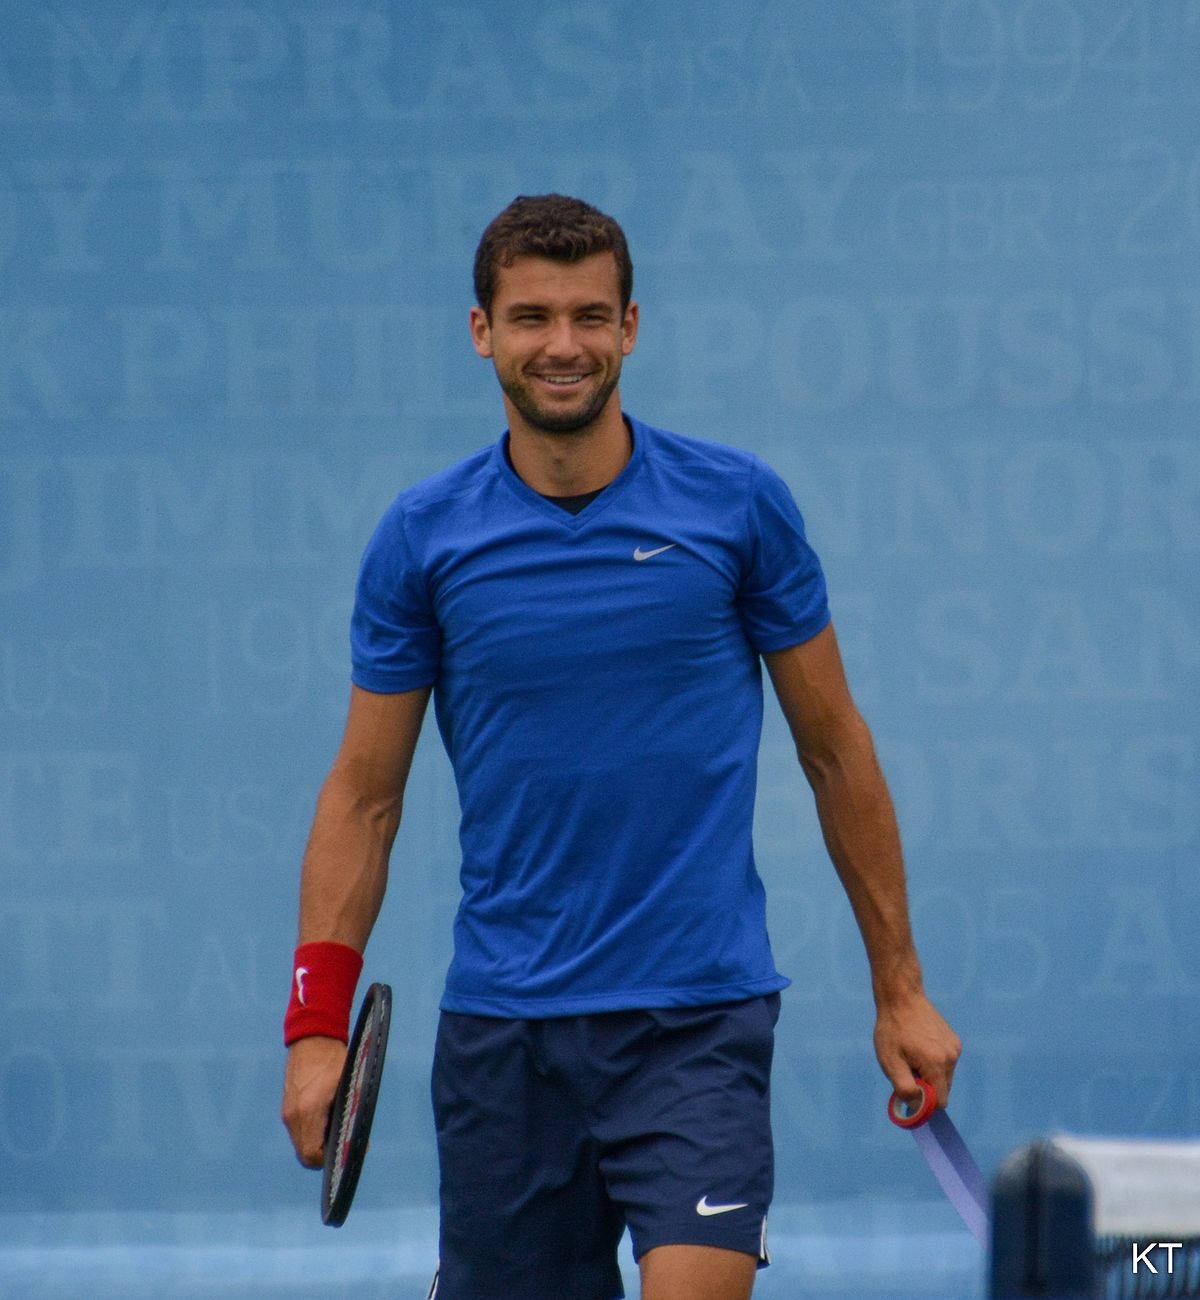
(935, 260)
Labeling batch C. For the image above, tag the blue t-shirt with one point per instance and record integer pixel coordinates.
(598, 690)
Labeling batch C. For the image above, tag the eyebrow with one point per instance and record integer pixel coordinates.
(599, 306)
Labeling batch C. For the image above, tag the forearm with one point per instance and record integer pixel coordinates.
(859, 825)
(346, 862)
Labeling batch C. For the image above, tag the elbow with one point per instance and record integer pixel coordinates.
(833, 748)
(364, 793)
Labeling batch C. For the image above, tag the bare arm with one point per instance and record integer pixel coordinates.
(345, 867)
(859, 825)
(344, 877)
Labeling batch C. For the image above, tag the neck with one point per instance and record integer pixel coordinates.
(569, 464)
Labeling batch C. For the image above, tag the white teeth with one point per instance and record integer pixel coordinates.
(562, 379)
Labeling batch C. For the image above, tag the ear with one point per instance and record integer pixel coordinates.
(481, 332)
(629, 329)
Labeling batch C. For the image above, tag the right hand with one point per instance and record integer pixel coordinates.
(912, 1038)
(314, 1066)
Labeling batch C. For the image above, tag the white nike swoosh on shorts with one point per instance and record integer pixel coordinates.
(703, 1207)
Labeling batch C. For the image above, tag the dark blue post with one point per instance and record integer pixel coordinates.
(1042, 1227)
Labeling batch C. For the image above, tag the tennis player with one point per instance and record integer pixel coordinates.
(588, 600)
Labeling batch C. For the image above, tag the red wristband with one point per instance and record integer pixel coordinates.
(324, 977)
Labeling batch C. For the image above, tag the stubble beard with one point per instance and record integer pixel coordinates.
(549, 421)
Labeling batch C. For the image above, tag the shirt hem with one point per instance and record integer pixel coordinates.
(547, 1008)
(798, 636)
(381, 684)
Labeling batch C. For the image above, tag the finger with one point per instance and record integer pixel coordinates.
(316, 1135)
(903, 1081)
(945, 1086)
(311, 1154)
(942, 1075)
(308, 1138)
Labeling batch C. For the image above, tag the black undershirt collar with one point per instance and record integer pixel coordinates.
(572, 504)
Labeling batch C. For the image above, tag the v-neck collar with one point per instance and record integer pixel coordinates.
(637, 432)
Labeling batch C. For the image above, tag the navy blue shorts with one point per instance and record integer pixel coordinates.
(554, 1135)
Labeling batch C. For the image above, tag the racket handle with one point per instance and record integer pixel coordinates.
(900, 1114)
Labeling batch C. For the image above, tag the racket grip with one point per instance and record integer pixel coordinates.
(897, 1107)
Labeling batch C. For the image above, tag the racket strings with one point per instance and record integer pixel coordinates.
(350, 1109)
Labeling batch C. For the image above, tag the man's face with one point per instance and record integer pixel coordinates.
(557, 335)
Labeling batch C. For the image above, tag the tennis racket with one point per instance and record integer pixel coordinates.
(353, 1106)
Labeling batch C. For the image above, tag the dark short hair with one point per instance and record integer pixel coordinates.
(548, 225)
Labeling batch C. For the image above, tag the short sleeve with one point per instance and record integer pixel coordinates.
(781, 599)
(395, 641)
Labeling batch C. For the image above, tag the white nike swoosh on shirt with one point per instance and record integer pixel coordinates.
(639, 554)
(703, 1207)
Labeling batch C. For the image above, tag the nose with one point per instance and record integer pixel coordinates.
(561, 342)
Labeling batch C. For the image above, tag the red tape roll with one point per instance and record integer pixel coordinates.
(896, 1107)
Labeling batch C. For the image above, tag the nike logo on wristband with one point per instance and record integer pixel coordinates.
(703, 1207)
(301, 971)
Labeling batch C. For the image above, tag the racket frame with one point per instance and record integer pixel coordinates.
(348, 1129)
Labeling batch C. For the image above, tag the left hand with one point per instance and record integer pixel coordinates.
(912, 1038)
(314, 1066)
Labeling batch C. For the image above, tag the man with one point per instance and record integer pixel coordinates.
(589, 599)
